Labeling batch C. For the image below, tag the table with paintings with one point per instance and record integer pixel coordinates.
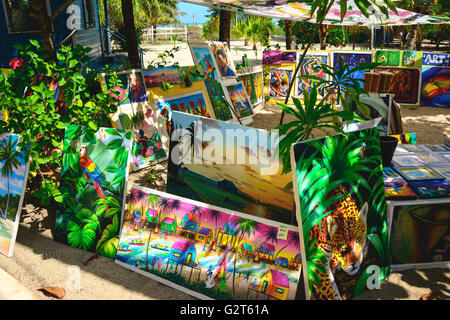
(418, 203)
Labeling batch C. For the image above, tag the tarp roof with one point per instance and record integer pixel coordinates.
(300, 11)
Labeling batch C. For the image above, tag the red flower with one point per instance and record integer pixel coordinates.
(16, 63)
(307, 33)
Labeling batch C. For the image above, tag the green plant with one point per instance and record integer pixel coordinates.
(311, 115)
(39, 115)
(342, 81)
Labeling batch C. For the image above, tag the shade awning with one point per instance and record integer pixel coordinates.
(300, 11)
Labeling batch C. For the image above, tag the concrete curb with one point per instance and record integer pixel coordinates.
(11, 289)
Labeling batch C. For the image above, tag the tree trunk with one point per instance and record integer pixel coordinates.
(39, 12)
(412, 38)
(225, 26)
(323, 36)
(288, 34)
(130, 34)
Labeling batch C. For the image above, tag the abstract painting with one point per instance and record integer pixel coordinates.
(420, 235)
(311, 65)
(435, 88)
(398, 190)
(341, 210)
(406, 138)
(405, 84)
(239, 100)
(353, 59)
(207, 251)
(431, 189)
(279, 57)
(202, 56)
(280, 79)
(388, 57)
(14, 171)
(93, 180)
(229, 165)
(148, 147)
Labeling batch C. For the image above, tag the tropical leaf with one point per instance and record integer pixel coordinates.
(78, 237)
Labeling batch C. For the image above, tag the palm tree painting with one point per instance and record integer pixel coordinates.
(339, 186)
(189, 259)
(13, 176)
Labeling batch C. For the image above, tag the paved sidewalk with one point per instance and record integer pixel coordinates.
(11, 289)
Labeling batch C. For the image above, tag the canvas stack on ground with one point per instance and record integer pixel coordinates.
(341, 211)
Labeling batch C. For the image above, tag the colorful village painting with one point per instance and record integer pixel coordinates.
(13, 178)
(213, 252)
(241, 173)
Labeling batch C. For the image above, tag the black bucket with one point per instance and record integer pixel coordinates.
(388, 145)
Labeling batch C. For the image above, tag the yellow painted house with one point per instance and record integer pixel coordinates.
(275, 284)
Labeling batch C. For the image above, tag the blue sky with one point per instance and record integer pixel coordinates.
(200, 13)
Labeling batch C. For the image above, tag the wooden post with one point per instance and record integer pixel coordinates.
(372, 36)
(185, 33)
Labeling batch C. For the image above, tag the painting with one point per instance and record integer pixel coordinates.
(390, 175)
(279, 57)
(222, 60)
(442, 169)
(239, 100)
(311, 65)
(229, 165)
(342, 220)
(420, 235)
(190, 74)
(431, 189)
(408, 159)
(148, 147)
(156, 76)
(417, 173)
(436, 59)
(398, 190)
(253, 81)
(202, 56)
(388, 57)
(131, 90)
(435, 89)
(352, 59)
(13, 180)
(417, 148)
(207, 251)
(405, 84)
(192, 102)
(412, 58)
(436, 147)
(94, 174)
(406, 138)
(280, 79)
(430, 158)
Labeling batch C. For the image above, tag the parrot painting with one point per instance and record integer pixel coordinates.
(91, 171)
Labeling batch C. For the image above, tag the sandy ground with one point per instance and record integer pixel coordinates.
(39, 261)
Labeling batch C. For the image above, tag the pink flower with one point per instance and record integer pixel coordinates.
(16, 63)
(122, 93)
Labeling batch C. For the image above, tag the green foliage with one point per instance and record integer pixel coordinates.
(311, 115)
(39, 116)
